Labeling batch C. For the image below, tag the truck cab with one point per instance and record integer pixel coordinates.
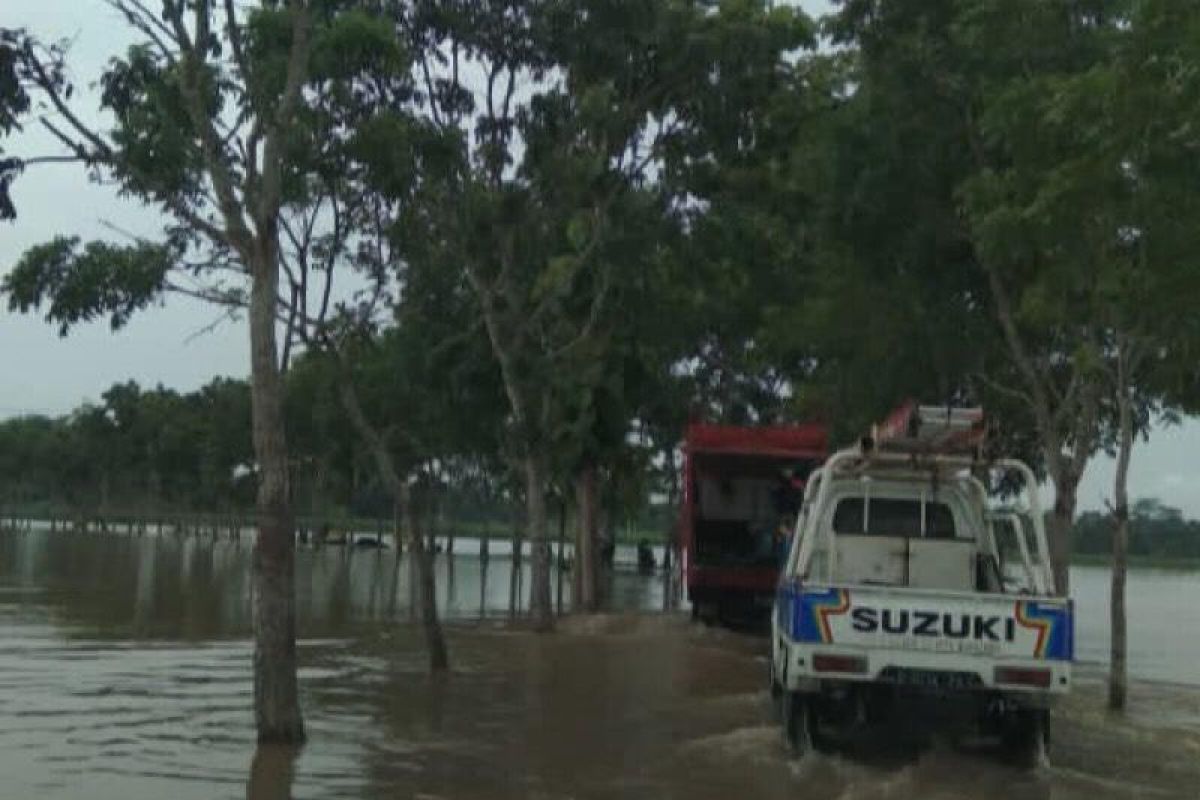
(907, 577)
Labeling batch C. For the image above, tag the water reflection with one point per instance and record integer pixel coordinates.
(125, 673)
(152, 585)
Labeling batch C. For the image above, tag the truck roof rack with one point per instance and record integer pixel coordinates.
(928, 430)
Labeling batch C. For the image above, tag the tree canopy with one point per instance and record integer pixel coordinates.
(559, 231)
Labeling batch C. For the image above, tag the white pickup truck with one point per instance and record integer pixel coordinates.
(903, 581)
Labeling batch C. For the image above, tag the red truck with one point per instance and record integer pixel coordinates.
(742, 490)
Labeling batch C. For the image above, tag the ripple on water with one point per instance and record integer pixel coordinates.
(96, 712)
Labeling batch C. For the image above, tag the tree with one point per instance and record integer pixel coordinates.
(1092, 197)
(416, 397)
(206, 139)
(555, 146)
(1142, 118)
(1060, 129)
(950, 89)
(350, 83)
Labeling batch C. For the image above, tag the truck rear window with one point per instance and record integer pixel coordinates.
(893, 518)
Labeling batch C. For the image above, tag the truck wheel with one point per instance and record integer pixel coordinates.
(773, 679)
(1028, 739)
(775, 688)
(797, 723)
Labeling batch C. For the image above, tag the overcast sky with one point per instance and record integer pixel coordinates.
(172, 344)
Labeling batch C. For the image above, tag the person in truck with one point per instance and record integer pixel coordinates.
(787, 497)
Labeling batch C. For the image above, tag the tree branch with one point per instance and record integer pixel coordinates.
(151, 27)
(1007, 391)
(272, 169)
(35, 160)
(234, 32)
(1041, 407)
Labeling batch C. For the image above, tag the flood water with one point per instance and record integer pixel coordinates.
(125, 673)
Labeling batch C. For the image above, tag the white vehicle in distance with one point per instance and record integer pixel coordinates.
(905, 584)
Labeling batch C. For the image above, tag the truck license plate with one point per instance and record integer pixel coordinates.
(931, 679)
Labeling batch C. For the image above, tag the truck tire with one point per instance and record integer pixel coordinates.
(1028, 738)
(775, 688)
(797, 721)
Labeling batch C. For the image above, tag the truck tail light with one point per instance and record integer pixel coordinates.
(1023, 676)
(828, 662)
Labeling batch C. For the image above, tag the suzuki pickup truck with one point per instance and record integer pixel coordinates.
(904, 579)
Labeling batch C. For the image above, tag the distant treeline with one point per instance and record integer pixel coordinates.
(1156, 531)
(161, 452)
(147, 451)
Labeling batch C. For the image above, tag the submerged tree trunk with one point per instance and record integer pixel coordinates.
(426, 588)
(272, 773)
(560, 558)
(451, 579)
(1117, 677)
(514, 574)
(435, 640)
(585, 593)
(669, 597)
(276, 697)
(540, 607)
(484, 558)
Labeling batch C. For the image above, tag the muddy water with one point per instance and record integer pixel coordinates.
(124, 673)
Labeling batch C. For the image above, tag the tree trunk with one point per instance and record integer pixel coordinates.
(426, 588)
(483, 569)
(669, 598)
(451, 578)
(1117, 678)
(514, 575)
(397, 525)
(1066, 489)
(586, 557)
(560, 558)
(540, 607)
(276, 696)
(535, 484)
(271, 773)
(435, 640)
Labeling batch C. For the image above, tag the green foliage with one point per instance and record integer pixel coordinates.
(590, 220)
(135, 452)
(21, 57)
(81, 284)
(160, 155)
(1156, 531)
(989, 146)
(14, 101)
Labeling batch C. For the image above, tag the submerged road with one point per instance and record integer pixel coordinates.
(124, 673)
